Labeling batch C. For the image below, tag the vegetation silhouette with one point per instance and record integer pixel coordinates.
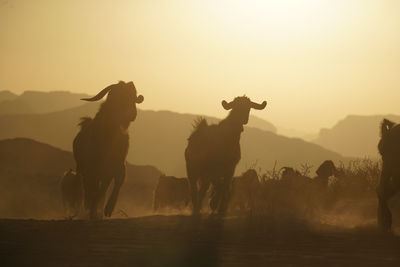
(213, 151)
(389, 184)
(101, 146)
(324, 171)
(293, 177)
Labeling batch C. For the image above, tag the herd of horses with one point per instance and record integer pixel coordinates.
(173, 193)
(212, 153)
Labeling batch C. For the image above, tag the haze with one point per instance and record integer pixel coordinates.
(314, 61)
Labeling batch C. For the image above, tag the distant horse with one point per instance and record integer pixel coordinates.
(325, 170)
(244, 190)
(171, 192)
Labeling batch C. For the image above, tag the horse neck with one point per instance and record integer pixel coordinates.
(106, 123)
(232, 127)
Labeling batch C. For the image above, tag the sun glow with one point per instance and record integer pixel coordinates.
(284, 16)
(283, 50)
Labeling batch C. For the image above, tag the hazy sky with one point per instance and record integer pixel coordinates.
(314, 61)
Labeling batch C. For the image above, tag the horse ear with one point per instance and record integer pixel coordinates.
(227, 105)
(386, 126)
(258, 106)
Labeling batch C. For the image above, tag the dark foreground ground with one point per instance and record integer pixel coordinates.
(186, 241)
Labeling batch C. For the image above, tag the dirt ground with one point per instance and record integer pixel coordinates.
(189, 241)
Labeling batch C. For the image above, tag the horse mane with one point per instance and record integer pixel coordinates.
(199, 124)
(85, 121)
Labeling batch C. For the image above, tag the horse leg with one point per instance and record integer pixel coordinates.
(93, 210)
(92, 192)
(194, 194)
(79, 194)
(75, 210)
(195, 198)
(216, 195)
(156, 201)
(225, 194)
(118, 181)
(385, 191)
(88, 188)
(202, 192)
(97, 201)
(384, 215)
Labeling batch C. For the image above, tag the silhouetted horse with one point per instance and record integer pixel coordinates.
(389, 185)
(213, 152)
(101, 146)
(324, 171)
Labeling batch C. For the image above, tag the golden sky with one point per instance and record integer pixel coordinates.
(314, 61)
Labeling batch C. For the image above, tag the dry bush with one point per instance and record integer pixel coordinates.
(352, 191)
(358, 178)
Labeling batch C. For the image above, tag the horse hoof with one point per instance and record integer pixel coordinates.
(385, 227)
(107, 212)
(385, 223)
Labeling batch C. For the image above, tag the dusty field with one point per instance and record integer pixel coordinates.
(187, 241)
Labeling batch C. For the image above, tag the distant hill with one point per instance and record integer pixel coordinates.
(7, 95)
(35, 102)
(30, 175)
(31, 102)
(159, 138)
(262, 124)
(296, 133)
(355, 136)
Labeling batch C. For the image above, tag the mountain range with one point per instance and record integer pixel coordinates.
(159, 138)
(354, 136)
(33, 102)
(37, 130)
(30, 175)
